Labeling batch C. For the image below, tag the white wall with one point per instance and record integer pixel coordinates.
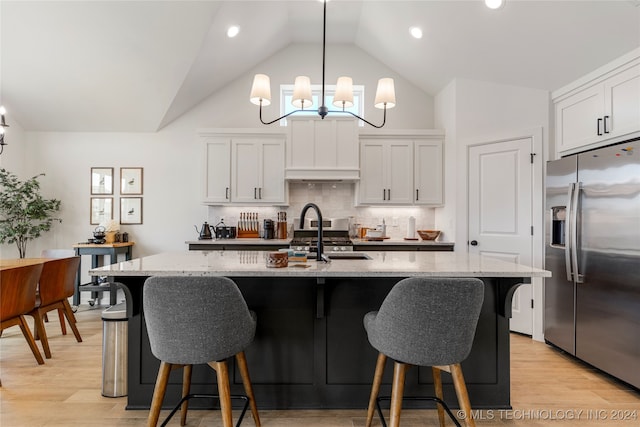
(470, 111)
(171, 157)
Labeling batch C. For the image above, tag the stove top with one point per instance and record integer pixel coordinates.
(332, 240)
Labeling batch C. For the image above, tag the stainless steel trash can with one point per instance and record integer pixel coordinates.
(114, 351)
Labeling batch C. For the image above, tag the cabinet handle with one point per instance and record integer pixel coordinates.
(417, 198)
(226, 193)
(388, 194)
(260, 193)
(255, 193)
(599, 121)
(605, 124)
(384, 194)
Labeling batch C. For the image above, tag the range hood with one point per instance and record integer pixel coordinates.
(320, 175)
(322, 150)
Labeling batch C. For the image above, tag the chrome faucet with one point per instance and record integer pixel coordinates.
(320, 255)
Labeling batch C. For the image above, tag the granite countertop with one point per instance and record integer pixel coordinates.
(381, 264)
(270, 242)
(243, 241)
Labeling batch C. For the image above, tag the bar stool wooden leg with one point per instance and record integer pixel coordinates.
(248, 388)
(461, 392)
(186, 389)
(437, 385)
(397, 391)
(224, 391)
(158, 393)
(375, 388)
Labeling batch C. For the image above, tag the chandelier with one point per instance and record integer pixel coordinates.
(343, 97)
(3, 125)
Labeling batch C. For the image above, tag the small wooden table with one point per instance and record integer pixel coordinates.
(97, 251)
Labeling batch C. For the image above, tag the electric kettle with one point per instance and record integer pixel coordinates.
(205, 232)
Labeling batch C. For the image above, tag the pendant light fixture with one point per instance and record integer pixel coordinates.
(343, 97)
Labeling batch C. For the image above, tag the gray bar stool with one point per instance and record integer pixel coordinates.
(425, 322)
(198, 320)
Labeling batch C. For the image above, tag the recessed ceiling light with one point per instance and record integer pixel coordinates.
(494, 4)
(416, 32)
(233, 31)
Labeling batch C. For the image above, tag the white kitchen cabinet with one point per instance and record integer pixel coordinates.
(601, 108)
(322, 149)
(243, 167)
(257, 170)
(217, 169)
(428, 172)
(386, 171)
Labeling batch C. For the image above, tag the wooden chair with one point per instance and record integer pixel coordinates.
(57, 253)
(425, 322)
(18, 298)
(56, 286)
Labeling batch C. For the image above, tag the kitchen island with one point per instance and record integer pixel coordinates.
(310, 348)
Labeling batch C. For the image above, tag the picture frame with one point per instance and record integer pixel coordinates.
(101, 209)
(131, 210)
(101, 181)
(131, 180)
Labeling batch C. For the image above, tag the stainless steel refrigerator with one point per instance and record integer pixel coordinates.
(592, 302)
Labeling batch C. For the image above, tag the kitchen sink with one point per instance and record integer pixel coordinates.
(341, 255)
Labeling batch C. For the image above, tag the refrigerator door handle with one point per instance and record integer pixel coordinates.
(578, 278)
(568, 232)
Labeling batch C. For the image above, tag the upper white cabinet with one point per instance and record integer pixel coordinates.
(401, 168)
(244, 167)
(428, 172)
(257, 170)
(601, 108)
(386, 171)
(217, 169)
(322, 149)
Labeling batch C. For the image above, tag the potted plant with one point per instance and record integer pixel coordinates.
(24, 213)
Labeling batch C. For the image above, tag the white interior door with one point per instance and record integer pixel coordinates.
(500, 212)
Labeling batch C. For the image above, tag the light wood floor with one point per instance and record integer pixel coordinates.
(548, 389)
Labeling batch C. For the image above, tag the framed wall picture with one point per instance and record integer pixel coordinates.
(101, 181)
(130, 210)
(101, 209)
(130, 180)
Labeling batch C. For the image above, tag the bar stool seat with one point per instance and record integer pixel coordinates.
(198, 320)
(425, 322)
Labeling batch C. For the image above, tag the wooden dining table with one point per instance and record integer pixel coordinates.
(6, 264)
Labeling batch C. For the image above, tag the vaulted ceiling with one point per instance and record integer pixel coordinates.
(138, 65)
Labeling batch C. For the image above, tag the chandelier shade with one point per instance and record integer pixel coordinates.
(343, 98)
(302, 94)
(261, 90)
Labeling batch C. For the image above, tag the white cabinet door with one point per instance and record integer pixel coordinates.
(272, 185)
(399, 173)
(217, 169)
(622, 103)
(428, 172)
(257, 170)
(386, 168)
(372, 163)
(579, 119)
(245, 161)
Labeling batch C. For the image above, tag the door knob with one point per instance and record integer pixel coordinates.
(474, 243)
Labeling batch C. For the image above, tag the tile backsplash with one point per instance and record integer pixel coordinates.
(335, 200)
